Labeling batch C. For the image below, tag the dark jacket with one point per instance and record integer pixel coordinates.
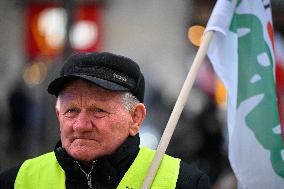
(108, 171)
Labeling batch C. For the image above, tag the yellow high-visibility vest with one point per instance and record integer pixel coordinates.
(166, 176)
(44, 172)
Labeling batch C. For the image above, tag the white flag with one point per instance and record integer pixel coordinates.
(242, 55)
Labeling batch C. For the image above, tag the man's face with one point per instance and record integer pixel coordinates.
(93, 121)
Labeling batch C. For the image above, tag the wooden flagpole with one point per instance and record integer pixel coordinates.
(180, 103)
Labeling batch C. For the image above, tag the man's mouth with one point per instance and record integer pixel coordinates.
(84, 139)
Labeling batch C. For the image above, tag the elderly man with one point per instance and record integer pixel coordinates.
(100, 110)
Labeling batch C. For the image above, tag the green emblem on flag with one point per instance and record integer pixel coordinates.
(256, 82)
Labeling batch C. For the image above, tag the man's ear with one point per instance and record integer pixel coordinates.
(57, 108)
(138, 116)
(57, 112)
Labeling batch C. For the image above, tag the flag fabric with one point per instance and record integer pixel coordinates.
(242, 55)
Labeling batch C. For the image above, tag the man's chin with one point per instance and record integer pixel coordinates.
(87, 152)
(83, 155)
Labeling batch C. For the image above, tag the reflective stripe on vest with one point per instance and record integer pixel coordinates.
(44, 172)
(165, 178)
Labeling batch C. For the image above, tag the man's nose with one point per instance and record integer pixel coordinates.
(83, 123)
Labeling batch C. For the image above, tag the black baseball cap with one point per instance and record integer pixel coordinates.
(107, 70)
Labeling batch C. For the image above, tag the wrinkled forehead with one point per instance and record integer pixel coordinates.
(80, 88)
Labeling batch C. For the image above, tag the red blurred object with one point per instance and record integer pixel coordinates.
(90, 13)
(33, 36)
(280, 92)
(38, 33)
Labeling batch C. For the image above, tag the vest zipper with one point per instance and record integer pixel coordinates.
(88, 175)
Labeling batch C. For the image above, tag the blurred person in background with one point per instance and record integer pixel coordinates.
(19, 109)
(211, 155)
(100, 111)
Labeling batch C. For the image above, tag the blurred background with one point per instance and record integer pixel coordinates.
(36, 36)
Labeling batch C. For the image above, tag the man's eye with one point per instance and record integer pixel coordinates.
(98, 112)
(70, 112)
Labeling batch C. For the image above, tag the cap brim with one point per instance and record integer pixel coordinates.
(58, 84)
